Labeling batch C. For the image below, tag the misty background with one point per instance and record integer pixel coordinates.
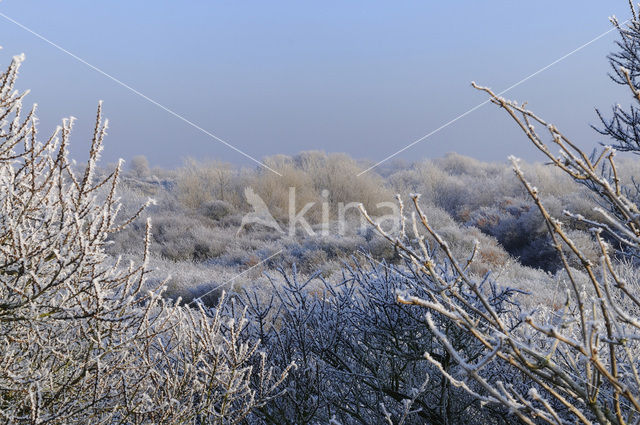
(365, 78)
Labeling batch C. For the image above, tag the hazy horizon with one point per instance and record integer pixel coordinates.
(362, 78)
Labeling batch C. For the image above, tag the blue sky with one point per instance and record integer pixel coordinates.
(362, 77)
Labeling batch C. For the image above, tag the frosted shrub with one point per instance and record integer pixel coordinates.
(274, 189)
(311, 174)
(577, 362)
(332, 172)
(453, 184)
(200, 182)
(82, 340)
(180, 238)
(359, 352)
(216, 209)
(520, 229)
(457, 164)
(140, 167)
(539, 351)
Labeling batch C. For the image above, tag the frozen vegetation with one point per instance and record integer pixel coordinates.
(505, 293)
(199, 208)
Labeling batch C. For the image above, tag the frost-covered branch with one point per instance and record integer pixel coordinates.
(577, 364)
(83, 338)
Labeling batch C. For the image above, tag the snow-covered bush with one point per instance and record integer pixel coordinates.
(82, 337)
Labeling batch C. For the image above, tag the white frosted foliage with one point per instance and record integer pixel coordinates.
(84, 340)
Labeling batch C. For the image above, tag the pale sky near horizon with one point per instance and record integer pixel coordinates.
(361, 77)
